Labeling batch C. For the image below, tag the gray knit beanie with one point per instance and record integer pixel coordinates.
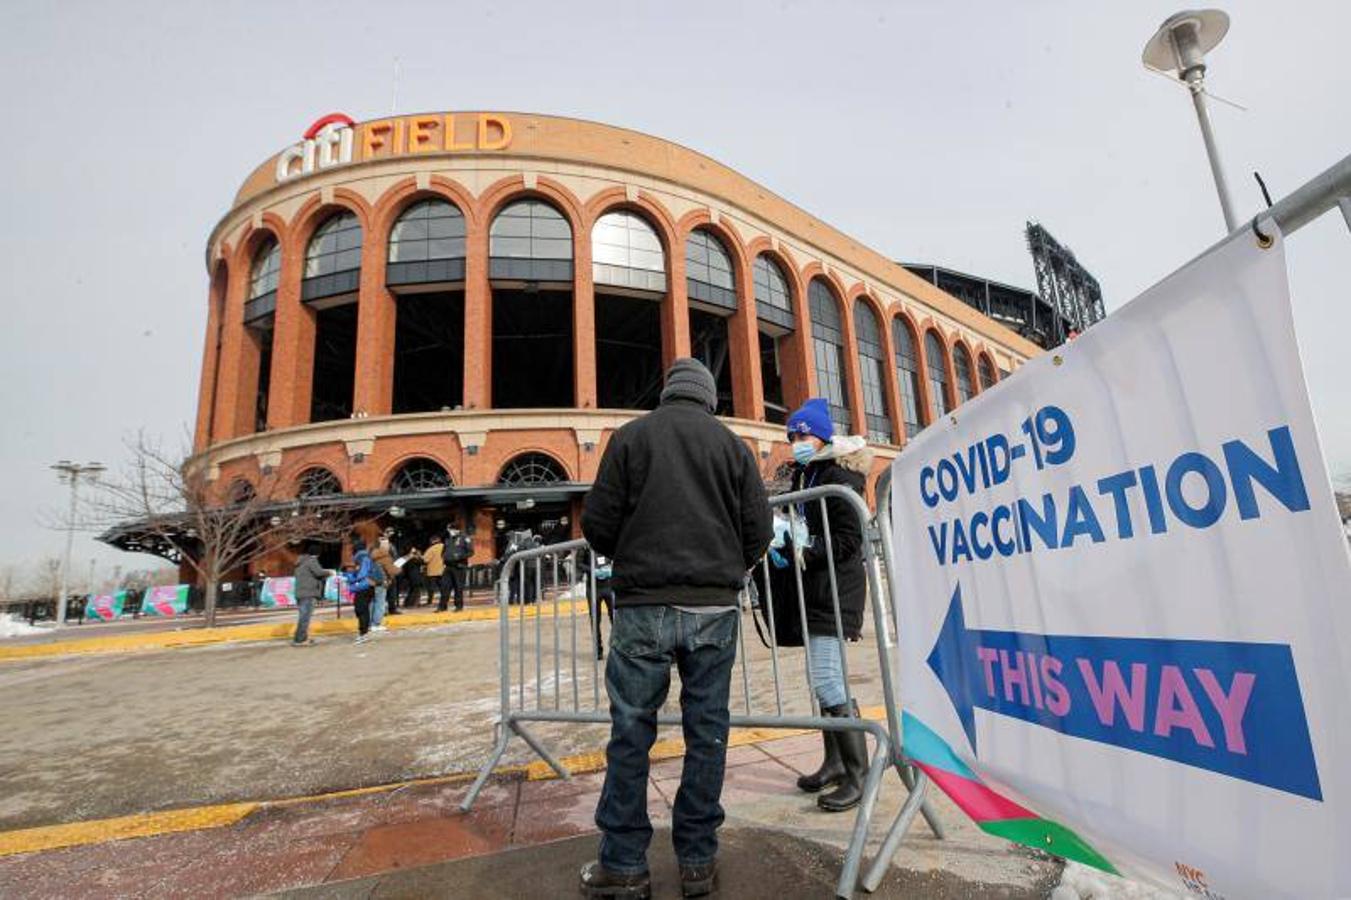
(690, 379)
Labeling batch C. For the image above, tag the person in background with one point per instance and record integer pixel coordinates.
(361, 581)
(310, 578)
(605, 596)
(413, 568)
(435, 559)
(458, 551)
(383, 557)
(823, 458)
(679, 505)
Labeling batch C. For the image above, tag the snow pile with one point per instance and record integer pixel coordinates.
(1094, 884)
(12, 627)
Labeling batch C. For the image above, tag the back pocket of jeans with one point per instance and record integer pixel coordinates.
(637, 631)
(717, 630)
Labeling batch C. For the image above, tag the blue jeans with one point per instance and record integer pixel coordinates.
(378, 607)
(304, 609)
(827, 669)
(644, 642)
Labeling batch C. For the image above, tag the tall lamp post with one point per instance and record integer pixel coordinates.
(1180, 47)
(71, 473)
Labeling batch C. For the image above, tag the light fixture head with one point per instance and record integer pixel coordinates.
(1183, 40)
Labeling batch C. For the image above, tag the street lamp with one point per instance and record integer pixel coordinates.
(1180, 47)
(71, 473)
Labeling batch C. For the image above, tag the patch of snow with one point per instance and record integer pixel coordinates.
(1088, 883)
(11, 626)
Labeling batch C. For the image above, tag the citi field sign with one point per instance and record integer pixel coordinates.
(336, 140)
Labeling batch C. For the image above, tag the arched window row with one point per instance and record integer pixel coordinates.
(418, 475)
(316, 482)
(530, 469)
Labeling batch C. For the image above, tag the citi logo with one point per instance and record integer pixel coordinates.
(328, 142)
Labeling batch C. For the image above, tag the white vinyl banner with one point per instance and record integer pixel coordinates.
(1124, 597)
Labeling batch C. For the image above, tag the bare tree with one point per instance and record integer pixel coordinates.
(160, 504)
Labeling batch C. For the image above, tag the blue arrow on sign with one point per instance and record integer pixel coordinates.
(1226, 706)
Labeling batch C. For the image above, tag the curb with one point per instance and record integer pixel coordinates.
(201, 818)
(262, 631)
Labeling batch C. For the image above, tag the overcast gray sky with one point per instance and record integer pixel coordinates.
(930, 131)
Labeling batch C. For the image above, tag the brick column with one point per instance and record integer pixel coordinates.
(675, 313)
(377, 312)
(288, 401)
(206, 394)
(478, 320)
(238, 353)
(743, 337)
(584, 393)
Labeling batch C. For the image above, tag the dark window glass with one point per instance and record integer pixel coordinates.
(317, 482)
(987, 378)
(530, 229)
(706, 261)
(773, 303)
(531, 468)
(871, 363)
(961, 364)
(335, 247)
(938, 374)
(828, 349)
(907, 374)
(266, 269)
(419, 474)
(429, 229)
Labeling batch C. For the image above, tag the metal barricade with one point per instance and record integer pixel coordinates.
(539, 619)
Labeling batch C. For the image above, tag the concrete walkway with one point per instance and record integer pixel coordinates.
(380, 841)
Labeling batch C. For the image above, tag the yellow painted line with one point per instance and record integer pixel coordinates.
(266, 631)
(97, 831)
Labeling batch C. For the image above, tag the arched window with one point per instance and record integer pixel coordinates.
(938, 374)
(987, 377)
(317, 482)
(531, 469)
(708, 270)
(872, 361)
(530, 241)
(420, 474)
(241, 491)
(426, 244)
(828, 348)
(961, 365)
(773, 302)
(266, 269)
(907, 374)
(333, 258)
(625, 252)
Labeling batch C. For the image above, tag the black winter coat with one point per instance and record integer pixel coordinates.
(846, 538)
(679, 506)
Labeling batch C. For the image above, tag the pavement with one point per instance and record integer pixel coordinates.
(525, 837)
(251, 767)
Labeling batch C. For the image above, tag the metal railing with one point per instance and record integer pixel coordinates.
(545, 594)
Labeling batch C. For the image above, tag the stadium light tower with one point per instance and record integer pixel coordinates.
(1180, 47)
(71, 473)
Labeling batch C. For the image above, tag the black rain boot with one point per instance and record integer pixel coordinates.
(854, 754)
(832, 768)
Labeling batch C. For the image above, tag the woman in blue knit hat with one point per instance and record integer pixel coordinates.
(822, 458)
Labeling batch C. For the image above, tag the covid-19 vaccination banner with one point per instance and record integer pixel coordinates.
(165, 600)
(1124, 598)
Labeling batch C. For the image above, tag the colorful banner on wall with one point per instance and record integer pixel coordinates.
(165, 600)
(106, 607)
(336, 587)
(1124, 597)
(277, 592)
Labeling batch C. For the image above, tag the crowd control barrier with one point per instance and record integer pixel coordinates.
(550, 669)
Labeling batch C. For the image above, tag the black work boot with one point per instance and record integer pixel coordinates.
(698, 881)
(853, 746)
(598, 882)
(832, 768)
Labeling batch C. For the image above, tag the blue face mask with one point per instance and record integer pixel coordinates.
(803, 451)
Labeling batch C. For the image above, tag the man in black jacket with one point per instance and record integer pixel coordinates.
(679, 506)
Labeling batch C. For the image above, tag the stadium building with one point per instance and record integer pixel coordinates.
(444, 316)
